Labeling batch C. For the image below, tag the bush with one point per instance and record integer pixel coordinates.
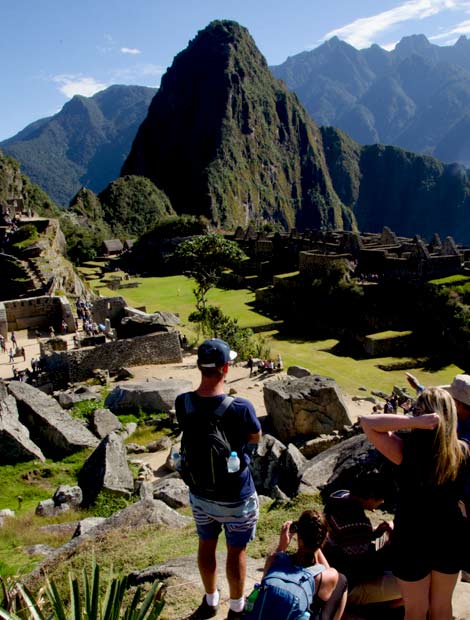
(87, 604)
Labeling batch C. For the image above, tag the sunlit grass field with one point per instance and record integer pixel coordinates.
(174, 294)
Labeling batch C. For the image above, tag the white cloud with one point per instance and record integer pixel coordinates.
(130, 50)
(364, 31)
(71, 85)
(453, 33)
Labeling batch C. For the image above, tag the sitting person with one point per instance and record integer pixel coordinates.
(355, 547)
(298, 583)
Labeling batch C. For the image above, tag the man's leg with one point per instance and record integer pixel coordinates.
(207, 564)
(236, 570)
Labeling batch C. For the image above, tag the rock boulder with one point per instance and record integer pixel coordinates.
(152, 396)
(106, 469)
(103, 422)
(299, 409)
(51, 428)
(15, 443)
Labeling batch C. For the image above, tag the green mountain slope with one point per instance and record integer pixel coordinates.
(388, 186)
(85, 144)
(224, 139)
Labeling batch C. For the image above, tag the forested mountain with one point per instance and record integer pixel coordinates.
(416, 96)
(226, 140)
(85, 144)
(388, 186)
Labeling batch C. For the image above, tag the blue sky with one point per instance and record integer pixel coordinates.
(51, 50)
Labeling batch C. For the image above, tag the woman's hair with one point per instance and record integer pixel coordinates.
(449, 454)
(311, 528)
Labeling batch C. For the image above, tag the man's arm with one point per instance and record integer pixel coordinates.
(254, 437)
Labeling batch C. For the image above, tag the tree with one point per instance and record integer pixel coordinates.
(204, 258)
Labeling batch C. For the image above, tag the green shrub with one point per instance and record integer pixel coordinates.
(87, 603)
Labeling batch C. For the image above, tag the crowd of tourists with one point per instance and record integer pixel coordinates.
(408, 567)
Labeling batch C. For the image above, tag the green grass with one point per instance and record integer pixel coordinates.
(388, 334)
(33, 482)
(455, 279)
(174, 294)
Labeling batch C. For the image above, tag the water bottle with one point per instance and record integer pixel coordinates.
(233, 463)
(251, 600)
(176, 461)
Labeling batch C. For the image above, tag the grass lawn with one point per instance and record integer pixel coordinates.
(174, 294)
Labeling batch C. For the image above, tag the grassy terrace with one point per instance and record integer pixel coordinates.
(174, 294)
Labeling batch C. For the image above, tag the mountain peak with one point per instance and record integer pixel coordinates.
(414, 44)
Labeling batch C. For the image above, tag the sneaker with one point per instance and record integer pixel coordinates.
(234, 615)
(204, 611)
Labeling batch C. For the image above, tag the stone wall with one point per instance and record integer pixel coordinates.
(111, 308)
(313, 263)
(3, 321)
(38, 312)
(78, 364)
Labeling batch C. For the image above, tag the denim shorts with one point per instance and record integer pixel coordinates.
(237, 518)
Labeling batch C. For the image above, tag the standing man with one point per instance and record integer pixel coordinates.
(216, 427)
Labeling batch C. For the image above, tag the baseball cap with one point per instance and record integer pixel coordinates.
(214, 353)
(460, 389)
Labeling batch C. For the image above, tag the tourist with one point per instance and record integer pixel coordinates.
(355, 547)
(11, 356)
(13, 339)
(250, 364)
(220, 494)
(324, 595)
(51, 332)
(23, 353)
(460, 392)
(429, 527)
(279, 362)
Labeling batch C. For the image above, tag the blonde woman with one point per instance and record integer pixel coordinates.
(427, 537)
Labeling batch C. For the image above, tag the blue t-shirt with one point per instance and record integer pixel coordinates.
(239, 421)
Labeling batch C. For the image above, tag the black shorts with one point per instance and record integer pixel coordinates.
(415, 556)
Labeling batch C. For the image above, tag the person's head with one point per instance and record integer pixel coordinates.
(369, 487)
(310, 529)
(213, 357)
(460, 392)
(448, 452)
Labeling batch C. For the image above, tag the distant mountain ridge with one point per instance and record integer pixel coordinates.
(416, 96)
(85, 144)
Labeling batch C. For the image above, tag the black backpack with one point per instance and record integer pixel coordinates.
(205, 449)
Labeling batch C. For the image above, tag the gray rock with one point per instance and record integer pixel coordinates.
(174, 492)
(337, 460)
(15, 443)
(313, 447)
(135, 448)
(129, 429)
(152, 396)
(106, 469)
(85, 525)
(298, 372)
(62, 529)
(51, 428)
(44, 550)
(68, 399)
(103, 422)
(158, 446)
(6, 512)
(145, 489)
(265, 464)
(291, 467)
(47, 508)
(66, 494)
(304, 408)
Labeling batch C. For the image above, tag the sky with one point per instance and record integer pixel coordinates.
(51, 50)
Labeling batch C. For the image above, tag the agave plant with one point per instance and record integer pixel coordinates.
(86, 605)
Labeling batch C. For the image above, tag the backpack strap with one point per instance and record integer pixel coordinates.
(219, 412)
(316, 569)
